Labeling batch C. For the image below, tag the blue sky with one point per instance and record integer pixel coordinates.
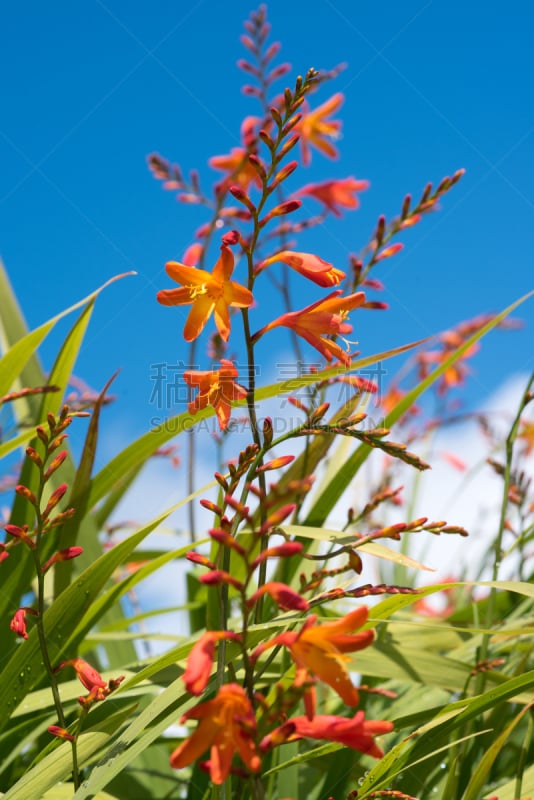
(93, 87)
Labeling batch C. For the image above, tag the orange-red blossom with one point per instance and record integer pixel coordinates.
(320, 650)
(311, 266)
(356, 733)
(200, 660)
(227, 726)
(207, 293)
(323, 318)
(216, 388)
(316, 129)
(335, 194)
(91, 679)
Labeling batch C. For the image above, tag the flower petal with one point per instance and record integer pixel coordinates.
(198, 316)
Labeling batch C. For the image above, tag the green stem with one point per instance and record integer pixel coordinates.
(42, 634)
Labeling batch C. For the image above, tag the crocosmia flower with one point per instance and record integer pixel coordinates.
(238, 168)
(200, 661)
(227, 726)
(335, 194)
(87, 675)
(18, 623)
(324, 318)
(216, 388)
(315, 129)
(320, 650)
(207, 293)
(311, 266)
(356, 733)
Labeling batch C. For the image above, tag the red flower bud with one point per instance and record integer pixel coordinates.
(56, 462)
(276, 463)
(198, 558)
(54, 499)
(62, 555)
(61, 733)
(23, 491)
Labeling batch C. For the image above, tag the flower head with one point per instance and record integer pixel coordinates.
(316, 129)
(61, 733)
(286, 597)
(311, 266)
(335, 194)
(88, 675)
(323, 318)
(62, 555)
(18, 623)
(200, 661)
(239, 170)
(207, 293)
(356, 733)
(216, 388)
(320, 650)
(227, 725)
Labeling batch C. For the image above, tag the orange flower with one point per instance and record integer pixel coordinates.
(18, 623)
(526, 433)
(207, 292)
(88, 675)
(327, 317)
(200, 660)
(311, 266)
(239, 169)
(356, 733)
(320, 650)
(62, 733)
(92, 680)
(216, 388)
(286, 597)
(316, 129)
(333, 194)
(227, 725)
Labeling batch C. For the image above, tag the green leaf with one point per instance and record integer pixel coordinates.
(119, 589)
(79, 493)
(12, 363)
(57, 765)
(481, 772)
(17, 441)
(427, 738)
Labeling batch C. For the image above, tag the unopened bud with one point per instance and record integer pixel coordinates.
(257, 163)
(56, 462)
(387, 252)
(279, 211)
(267, 431)
(242, 196)
(289, 145)
(380, 230)
(41, 433)
(283, 174)
(28, 495)
(34, 456)
(210, 506)
(198, 558)
(61, 733)
(57, 442)
(55, 497)
(62, 555)
(276, 463)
